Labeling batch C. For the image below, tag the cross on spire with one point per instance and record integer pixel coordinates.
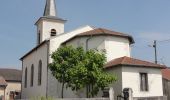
(50, 8)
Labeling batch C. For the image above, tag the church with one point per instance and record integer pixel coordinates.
(143, 77)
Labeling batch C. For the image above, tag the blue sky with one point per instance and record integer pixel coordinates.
(145, 20)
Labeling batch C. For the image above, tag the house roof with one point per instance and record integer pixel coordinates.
(132, 62)
(11, 74)
(102, 31)
(2, 81)
(50, 18)
(166, 73)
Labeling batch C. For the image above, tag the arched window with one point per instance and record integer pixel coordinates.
(39, 72)
(32, 75)
(38, 38)
(25, 81)
(53, 32)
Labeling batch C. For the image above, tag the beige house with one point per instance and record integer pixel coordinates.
(3, 85)
(10, 84)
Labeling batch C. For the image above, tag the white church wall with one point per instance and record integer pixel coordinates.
(131, 79)
(33, 58)
(56, 41)
(116, 47)
(48, 25)
(39, 31)
(55, 88)
(45, 26)
(95, 42)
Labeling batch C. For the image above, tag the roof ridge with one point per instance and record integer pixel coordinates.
(81, 27)
(145, 61)
(107, 32)
(102, 30)
(133, 62)
(114, 31)
(124, 58)
(10, 69)
(148, 62)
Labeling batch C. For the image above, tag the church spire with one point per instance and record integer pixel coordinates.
(49, 25)
(50, 8)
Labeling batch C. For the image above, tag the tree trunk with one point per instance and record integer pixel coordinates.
(92, 89)
(87, 91)
(62, 91)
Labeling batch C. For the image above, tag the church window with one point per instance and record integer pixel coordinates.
(39, 72)
(32, 75)
(53, 32)
(144, 82)
(25, 84)
(38, 37)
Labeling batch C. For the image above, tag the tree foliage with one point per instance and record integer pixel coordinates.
(78, 69)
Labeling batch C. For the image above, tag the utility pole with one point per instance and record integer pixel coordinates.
(155, 48)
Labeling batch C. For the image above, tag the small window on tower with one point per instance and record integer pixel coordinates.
(38, 40)
(53, 32)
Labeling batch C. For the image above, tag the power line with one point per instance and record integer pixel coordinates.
(163, 40)
(154, 45)
(155, 48)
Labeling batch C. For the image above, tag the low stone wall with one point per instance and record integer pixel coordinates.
(151, 98)
(84, 99)
(73, 99)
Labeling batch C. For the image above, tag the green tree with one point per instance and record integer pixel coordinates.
(79, 69)
(90, 73)
(63, 59)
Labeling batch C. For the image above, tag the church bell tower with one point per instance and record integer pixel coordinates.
(49, 25)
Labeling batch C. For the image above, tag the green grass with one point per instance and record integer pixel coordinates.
(42, 98)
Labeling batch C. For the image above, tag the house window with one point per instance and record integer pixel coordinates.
(25, 85)
(39, 72)
(53, 32)
(32, 75)
(144, 82)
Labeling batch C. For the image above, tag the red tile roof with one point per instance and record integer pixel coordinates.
(102, 31)
(166, 73)
(2, 81)
(132, 62)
